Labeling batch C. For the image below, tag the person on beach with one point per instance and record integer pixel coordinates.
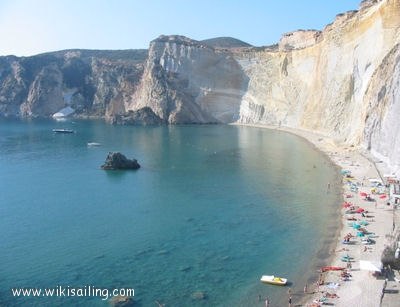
(317, 287)
(290, 301)
(305, 288)
(266, 302)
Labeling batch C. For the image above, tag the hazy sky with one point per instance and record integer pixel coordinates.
(29, 27)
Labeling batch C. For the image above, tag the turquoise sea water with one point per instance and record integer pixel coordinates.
(211, 210)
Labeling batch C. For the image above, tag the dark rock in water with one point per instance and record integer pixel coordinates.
(143, 116)
(121, 301)
(185, 268)
(198, 295)
(116, 160)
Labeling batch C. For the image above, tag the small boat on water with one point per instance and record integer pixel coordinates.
(92, 144)
(273, 280)
(63, 131)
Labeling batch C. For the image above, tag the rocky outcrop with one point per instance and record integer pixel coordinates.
(94, 83)
(186, 81)
(299, 39)
(117, 161)
(46, 86)
(14, 85)
(121, 301)
(144, 116)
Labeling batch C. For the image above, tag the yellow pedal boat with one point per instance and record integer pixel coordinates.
(273, 280)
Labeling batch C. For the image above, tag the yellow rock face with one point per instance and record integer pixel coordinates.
(322, 86)
(332, 85)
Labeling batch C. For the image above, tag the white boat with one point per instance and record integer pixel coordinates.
(91, 144)
(273, 280)
(63, 131)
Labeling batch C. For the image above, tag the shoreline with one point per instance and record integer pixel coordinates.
(363, 289)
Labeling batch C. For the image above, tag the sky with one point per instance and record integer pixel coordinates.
(29, 27)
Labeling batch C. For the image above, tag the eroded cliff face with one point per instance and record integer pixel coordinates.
(382, 113)
(94, 83)
(322, 86)
(342, 82)
(186, 81)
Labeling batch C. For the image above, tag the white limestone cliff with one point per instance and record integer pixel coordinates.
(344, 85)
(185, 81)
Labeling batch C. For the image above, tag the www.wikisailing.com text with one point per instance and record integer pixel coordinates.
(68, 291)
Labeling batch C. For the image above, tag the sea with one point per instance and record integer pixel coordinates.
(211, 210)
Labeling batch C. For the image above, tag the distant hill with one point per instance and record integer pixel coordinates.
(225, 42)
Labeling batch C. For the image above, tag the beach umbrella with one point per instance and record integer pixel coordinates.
(360, 210)
(382, 196)
(363, 194)
(372, 266)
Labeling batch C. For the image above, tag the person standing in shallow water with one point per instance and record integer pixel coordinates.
(289, 292)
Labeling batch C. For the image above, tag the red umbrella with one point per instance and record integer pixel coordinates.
(363, 194)
(360, 210)
(382, 196)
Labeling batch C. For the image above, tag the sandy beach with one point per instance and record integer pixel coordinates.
(361, 288)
